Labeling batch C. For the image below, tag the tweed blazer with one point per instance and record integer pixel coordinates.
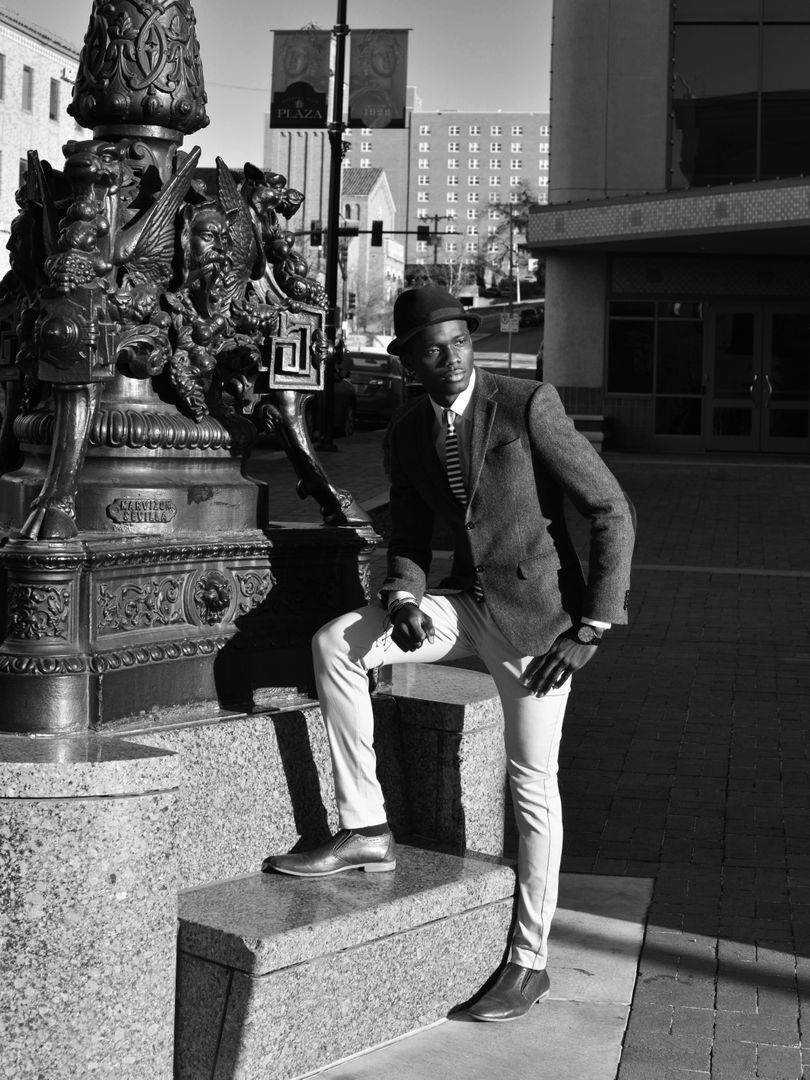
(525, 456)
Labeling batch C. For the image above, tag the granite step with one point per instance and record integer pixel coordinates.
(281, 976)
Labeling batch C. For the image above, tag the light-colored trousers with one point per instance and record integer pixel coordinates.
(347, 648)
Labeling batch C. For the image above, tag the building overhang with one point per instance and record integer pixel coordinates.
(768, 218)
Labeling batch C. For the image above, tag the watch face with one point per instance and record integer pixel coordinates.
(586, 634)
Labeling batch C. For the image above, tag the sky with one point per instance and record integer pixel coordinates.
(462, 54)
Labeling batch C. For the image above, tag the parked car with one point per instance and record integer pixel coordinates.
(381, 384)
(530, 316)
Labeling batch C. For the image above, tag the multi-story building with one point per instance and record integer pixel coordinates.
(372, 274)
(445, 169)
(37, 72)
(677, 234)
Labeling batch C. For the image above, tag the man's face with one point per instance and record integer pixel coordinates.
(441, 357)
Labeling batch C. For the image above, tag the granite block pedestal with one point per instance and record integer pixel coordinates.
(88, 908)
(279, 976)
(453, 758)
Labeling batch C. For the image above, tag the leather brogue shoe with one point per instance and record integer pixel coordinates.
(346, 850)
(514, 992)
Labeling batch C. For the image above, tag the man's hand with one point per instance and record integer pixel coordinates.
(549, 672)
(410, 627)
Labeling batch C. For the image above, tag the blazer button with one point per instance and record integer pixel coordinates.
(479, 569)
(470, 524)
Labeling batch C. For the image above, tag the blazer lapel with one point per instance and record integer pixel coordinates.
(484, 408)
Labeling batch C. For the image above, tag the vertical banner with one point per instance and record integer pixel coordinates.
(300, 86)
(377, 77)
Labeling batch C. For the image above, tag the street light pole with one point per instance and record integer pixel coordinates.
(341, 31)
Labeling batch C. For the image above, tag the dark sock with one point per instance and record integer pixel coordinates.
(372, 830)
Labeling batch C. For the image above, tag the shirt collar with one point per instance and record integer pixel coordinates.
(459, 406)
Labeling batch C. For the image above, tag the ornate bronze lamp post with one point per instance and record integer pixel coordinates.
(156, 317)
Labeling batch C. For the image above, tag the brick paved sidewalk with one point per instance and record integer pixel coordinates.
(685, 759)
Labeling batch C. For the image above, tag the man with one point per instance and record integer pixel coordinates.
(492, 457)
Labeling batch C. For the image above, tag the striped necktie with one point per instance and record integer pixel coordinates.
(452, 459)
(456, 479)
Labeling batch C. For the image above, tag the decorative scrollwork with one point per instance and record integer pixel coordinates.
(135, 607)
(254, 587)
(36, 612)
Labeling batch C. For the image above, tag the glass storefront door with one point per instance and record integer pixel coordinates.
(757, 378)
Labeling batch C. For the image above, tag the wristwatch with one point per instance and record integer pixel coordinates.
(587, 634)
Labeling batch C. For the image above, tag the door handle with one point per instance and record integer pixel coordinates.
(753, 385)
(770, 391)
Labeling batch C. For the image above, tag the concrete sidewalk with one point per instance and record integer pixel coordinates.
(686, 761)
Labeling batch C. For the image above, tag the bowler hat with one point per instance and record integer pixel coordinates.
(416, 309)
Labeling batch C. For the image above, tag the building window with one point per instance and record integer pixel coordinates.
(472, 163)
(453, 147)
(495, 148)
(494, 181)
(424, 163)
(450, 227)
(743, 118)
(514, 196)
(516, 148)
(496, 129)
(452, 196)
(545, 131)
(473, 196)
(472, 215)
(365, 147)
(452, 181)
(544, 147)
(422, 245)
(471, 247)
(492, 230)
(494, 163)
(494, 215)
(542, 198)
(422, 214)
(517, 129)
(424, 148)
(475, 129)
(472, 230)
(494, 196)
(53, 106)
(452, 163)
(423, 180)
(542, 181)
(473, 181)
(473, 147)
(492, 248)
(543, 164)
(454, 129)
(516, 163)
(365, 163)
(452, 213)
(450, 245)
(424, 129)
(423, 196)
(656, 347)
(366, 131)
(28, 89)
(2, 76)
(514, 181)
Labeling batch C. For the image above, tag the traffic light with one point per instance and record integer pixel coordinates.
(423, 232)
(315, 234)
(352, 303)
(376, 233)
